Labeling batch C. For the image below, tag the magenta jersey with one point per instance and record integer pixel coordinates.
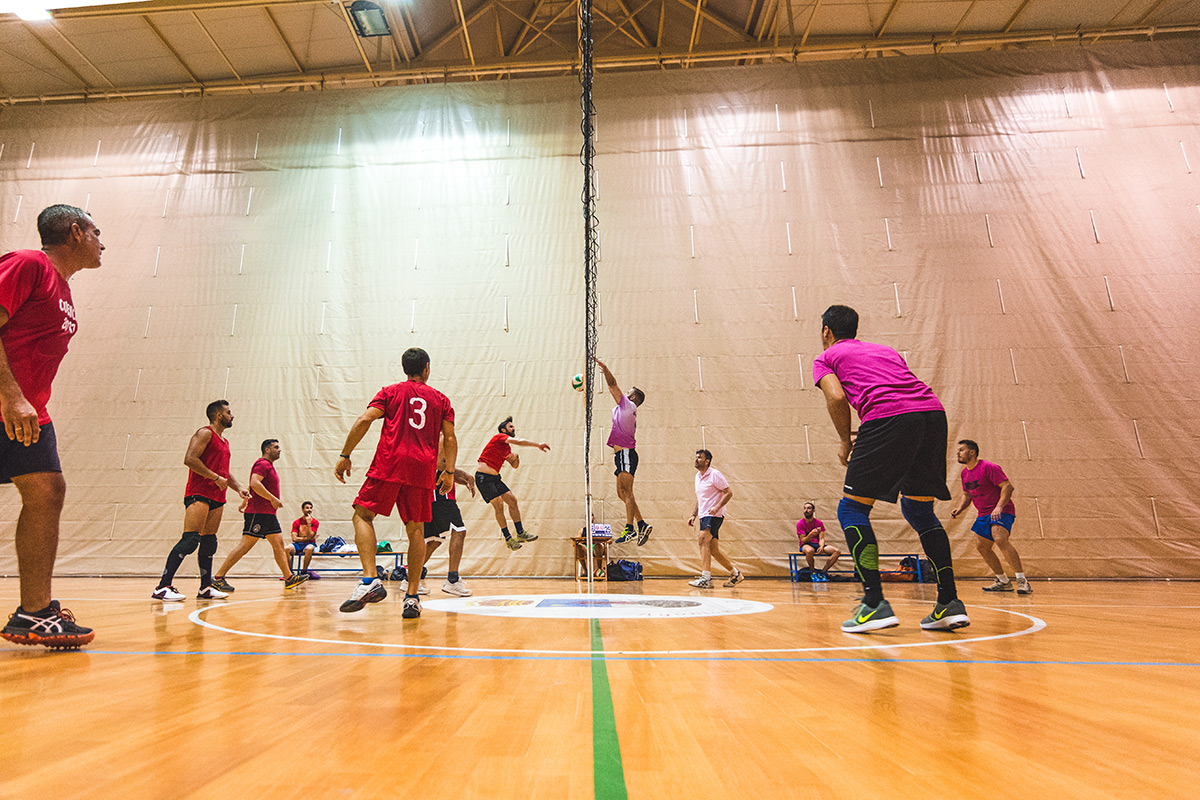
(877, 381)
(265, 470)
(807, 530)
(624, 424)
(413, 413)
(983, 485)
(41, 322)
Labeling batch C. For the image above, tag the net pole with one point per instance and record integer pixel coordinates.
(587, 155)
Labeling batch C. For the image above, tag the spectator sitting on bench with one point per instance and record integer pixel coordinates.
(304, 537)
(600, 533)
(811, 532)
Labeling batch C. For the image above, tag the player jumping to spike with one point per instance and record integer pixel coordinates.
(622, 440)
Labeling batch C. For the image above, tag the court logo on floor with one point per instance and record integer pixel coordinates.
(597, 606)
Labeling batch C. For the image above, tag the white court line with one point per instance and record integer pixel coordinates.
(195, 617)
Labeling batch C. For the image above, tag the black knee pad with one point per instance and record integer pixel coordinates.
(187, 543)
(208, 545)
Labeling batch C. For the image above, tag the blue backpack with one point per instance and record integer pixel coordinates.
(623, 570)
(331, 544)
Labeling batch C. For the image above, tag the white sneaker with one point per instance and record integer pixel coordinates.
(211, 593)
(422, 589)
(458, 587)
(168, 594)
(701, 583)
(1023, 587)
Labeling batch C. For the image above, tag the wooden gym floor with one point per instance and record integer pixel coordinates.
(1083, 690)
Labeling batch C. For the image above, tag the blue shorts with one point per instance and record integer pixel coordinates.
(983, 524)
(712, 525)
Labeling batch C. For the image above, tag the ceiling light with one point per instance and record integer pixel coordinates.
(368, 18)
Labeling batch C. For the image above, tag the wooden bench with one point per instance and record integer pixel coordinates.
(298, 559)
(794, 567)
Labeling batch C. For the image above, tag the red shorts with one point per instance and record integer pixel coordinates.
(413, 503)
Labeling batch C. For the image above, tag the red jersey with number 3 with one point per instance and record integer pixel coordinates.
(413, 413)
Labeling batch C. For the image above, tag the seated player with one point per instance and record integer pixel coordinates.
(304, 538)
(811, 532)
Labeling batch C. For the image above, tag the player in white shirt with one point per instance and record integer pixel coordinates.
(712, 494)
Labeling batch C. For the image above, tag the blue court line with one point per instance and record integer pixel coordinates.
(602, 657)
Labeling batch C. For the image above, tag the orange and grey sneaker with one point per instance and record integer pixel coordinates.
(294, 581)
(867, 618)
(53, 627)
(735, 578)
(948, 617)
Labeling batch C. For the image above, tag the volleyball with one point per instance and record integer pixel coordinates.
(577, 383)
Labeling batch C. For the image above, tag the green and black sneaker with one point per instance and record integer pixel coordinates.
(866, 619)
(948, 617)
(526, 536)
(222, 584)
(629, 534)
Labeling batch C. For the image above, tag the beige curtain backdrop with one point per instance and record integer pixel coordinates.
(1024, 227)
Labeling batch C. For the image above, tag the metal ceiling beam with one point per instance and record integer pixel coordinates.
(631, 18)
(216, 46)
(1149, 13)
(886, 19)
(1013, 19)
(963, 18)
(717, 20)
(466, 34)
(142, 9)
(455, 32)
(79, 53)
(171, 49)
(354, 35)
(287, 45)
(537, 7)
(573, 48)
(618, 28)
(848, 48)
(82, 80)
(808, 25)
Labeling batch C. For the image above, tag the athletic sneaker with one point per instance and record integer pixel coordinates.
(626, 535)
(53, 627)
(364, 593)
(866, 618)
(947, 617)
(513, 543)
(526, 536)
(701, 583)
(167, 593)
(211, 593)
(1023, 587)
(736, 578)
(222, 584)
(422, 589)
(458, 587)
(643, 535)
(412, 608)
(999, 586)
(296, 579)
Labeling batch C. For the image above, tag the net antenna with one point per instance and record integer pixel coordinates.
(591, 254)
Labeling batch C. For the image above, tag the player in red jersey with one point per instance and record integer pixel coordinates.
(402, 474)
(207, 460)
(37, 321)
(493, 490)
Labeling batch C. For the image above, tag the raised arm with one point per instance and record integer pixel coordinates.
(839, 412)
(357, 431)
(529, 443)
(613, 389)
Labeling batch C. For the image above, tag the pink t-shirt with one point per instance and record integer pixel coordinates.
(876, 380)
(412, 423)
(806, 530)
(624, 424)
(265, 471)
(983, 485)
(41, 322)
(709, 486)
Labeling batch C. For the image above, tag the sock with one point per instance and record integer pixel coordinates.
(705, 574)
(854, 517)
(1000, 576)
(452, 577)
(935, 543)
(507, 535)
(368, 581)
(208, 549)
(413, 596)
(1021, 576)
(520, 527)
(186, 545)
(424, 573)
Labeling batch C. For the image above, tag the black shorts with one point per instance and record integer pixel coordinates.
(490, 486)
(17, 459)
(446, 517)
(625, 461)
(712, 525)
(905, 454)
(213, 505)
(260, 526)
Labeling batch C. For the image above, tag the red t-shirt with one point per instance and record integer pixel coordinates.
(41, 322)
(216, 458)
(313, 524)
(495, 451)
(270, 480)
(413, 413)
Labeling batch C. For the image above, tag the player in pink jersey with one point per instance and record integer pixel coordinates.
(207, 460)
(403, 473)
(622, 439)
(811, 533)
(900, 452)
(37, 321)
(494, 491)
(712, 494)
(986, 485)
(261, 520)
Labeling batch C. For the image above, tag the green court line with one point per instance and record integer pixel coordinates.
(608, 775)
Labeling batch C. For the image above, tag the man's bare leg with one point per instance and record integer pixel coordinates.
(1004, 544)
(235, 555)
(834, 555)
(364, 539)
(457, 538)
(808, 555)
(42, 496)
(715, 549)
(281, 556)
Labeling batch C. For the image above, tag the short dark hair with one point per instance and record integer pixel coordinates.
(54, 223)
(842, 321)
(267, 443)
(414, 361)
(705, 453)
(214, 408)
(810, 503)
(637, 396)
(971, 444)
(504, 424)
(306, 503)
